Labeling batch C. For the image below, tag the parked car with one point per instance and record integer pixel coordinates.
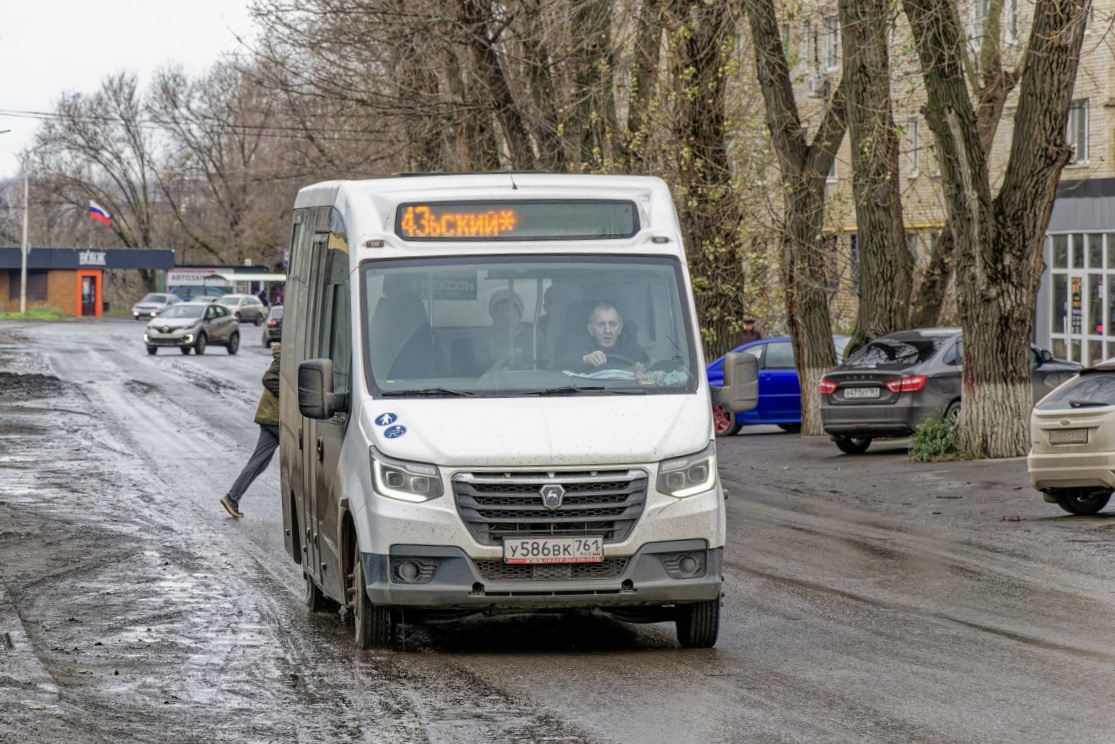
(273, 328)
(894, 384)
(193, 325)
(1072, 442)
(247, 308)
(779, 391)
(152, 304)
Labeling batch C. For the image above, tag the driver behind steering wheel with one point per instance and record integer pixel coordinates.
(605, 344)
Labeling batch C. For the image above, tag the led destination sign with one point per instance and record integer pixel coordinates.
(517, 220)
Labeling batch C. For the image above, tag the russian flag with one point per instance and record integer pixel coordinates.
(99, 213)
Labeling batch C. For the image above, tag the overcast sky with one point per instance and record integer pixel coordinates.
(48, 47)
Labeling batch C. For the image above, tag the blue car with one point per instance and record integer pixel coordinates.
(779, 392)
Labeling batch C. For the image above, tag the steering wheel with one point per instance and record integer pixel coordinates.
(617, 361)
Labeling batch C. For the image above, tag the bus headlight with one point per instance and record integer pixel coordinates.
(689, 475)
(407, 481)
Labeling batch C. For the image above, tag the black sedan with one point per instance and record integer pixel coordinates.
(897, 382)
(273, 327)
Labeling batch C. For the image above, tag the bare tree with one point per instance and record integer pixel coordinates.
(702, 42)
(804, 166)
(999, 238)
(224, 144)
(995, 83)
(100, 147)
(885, 264)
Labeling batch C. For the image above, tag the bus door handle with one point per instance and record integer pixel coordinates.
(321, 449)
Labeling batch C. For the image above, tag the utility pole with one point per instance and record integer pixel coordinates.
(26, 249)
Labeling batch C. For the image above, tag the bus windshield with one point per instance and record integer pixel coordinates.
(518, 326)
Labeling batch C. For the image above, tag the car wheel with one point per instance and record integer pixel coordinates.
(184, 349)
(152, 350)
(199, 345)
(237, 316)
(698, 624)
(792, 428)
(259, 320)
(315, 599)
(374, 625)
(724, 422)
(952, 413)
(267, 339)
(1082, 501)
(853, 445)
(233, 343)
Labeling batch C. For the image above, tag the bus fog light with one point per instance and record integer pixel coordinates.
(689, 565)
(412, 570)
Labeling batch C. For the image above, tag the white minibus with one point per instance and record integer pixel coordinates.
(493, 401)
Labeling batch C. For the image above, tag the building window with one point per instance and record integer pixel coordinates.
(36, 286)
(912, 147)
(786, 40)
(1010, 9)
(806, 37)
(1076, 135)
(832, 176)
(978, 12)
(831, 50)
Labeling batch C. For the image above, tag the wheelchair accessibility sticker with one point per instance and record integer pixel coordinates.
(394, 432)
(386, 419)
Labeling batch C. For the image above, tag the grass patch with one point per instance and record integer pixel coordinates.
(937, 440)
(37, 313)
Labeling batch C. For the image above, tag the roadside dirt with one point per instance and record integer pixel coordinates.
(125, 618)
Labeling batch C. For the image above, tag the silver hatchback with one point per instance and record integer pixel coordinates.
(193, 326)
(1072, 442)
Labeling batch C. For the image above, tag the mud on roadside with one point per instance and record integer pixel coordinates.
(110, 630)
(128, 614)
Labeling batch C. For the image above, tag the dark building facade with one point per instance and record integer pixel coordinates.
(70, 280)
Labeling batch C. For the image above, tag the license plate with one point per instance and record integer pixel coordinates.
(553, 550)
(861, 392)
(1068, 436)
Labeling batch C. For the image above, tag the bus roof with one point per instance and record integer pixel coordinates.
(369, 206)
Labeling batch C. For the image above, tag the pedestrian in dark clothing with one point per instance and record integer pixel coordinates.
(750, 332)
(267, 416)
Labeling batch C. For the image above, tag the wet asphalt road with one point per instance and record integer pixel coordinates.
(867, 599)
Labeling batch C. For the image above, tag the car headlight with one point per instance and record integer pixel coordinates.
(407, 481)
(188, 338)
(689, 475)
(145, 338)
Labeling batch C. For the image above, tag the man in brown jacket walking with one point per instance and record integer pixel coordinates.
(267, 416)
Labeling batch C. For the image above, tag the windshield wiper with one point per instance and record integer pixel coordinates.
(567, 389)
(433, 392)
(1087, 404)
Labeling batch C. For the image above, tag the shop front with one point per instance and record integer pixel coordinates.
(69, 280)
(1076, 301)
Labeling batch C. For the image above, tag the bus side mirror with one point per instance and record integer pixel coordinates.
(316, 398)
(740, 391)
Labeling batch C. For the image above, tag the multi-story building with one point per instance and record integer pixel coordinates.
(1075, 316)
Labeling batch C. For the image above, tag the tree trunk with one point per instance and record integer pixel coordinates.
(489, 71)
(804, 169)
(644, 84)
(926, 310)
(885, 264)
(594, 123)
(708, 207)
(999, 242)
